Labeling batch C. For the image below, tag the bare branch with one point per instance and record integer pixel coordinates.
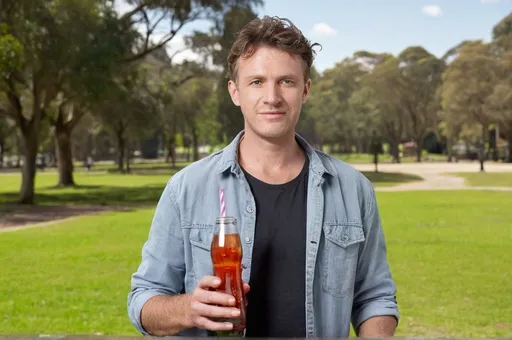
(148, 29)
(160, 20)
(163, 41)
(183, 80)
(128, 15)
(175, 54)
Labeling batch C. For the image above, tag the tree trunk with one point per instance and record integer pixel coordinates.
(195, 144)
(128, 157)
(376, 160)
(449, 149)
(358, 145)
(509, 156)
(419, 149)
(18, 151)
(2, 152)
(468, 150)
(395, 152)
(171, 152)
(120, 151)
(482, 147)
(64, 155)
(28, 173)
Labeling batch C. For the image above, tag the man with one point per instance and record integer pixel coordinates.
(314, 254)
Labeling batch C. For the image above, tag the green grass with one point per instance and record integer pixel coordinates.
(487, 179)
(387, 179)
(71, 278)
(99, 189)
(136, 167)
(450, 254)
(116, 189)
(364, 158)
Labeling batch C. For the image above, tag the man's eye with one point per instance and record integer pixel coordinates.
(256, 82)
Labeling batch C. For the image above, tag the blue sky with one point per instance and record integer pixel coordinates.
(345, 26)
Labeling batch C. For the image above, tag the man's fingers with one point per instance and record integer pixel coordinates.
(215, 311)
(208, 282)
(208, 324)
(247, 288)
(214, 298)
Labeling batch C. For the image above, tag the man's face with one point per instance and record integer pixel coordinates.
(270, 90)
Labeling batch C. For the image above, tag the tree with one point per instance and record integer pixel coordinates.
(500, 101)
(126, 110)
(380, 91)
(331, 108)
(420, 79)
(93, 32)
(468, 82)
(192, 110)
(29, 84)
(217, 44)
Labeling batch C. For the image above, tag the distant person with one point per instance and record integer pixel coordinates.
(41, 162)
(314, 250)
(89, 163)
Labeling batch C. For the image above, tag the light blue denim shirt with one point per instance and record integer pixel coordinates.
(347, 275)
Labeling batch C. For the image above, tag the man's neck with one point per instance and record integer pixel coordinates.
(272, 161)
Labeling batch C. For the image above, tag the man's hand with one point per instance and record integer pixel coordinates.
(206, 305)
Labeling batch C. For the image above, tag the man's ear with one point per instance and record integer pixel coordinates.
(233, 92)
(305, 93)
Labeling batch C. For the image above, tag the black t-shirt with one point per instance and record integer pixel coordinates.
(276, 301)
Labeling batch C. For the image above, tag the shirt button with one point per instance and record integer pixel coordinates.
(247, 239)
(250, 209)
(345, 237)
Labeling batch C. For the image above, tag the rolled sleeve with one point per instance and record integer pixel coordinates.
(375, 290)
(162, 268)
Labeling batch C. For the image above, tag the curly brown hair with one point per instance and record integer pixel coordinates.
(270, 31)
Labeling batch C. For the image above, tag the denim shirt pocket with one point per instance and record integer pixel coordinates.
(342, 242)
(200, 240)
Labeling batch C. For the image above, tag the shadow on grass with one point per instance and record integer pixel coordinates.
(78, 187)
(147, 195)
(390, 178)
(93, 195)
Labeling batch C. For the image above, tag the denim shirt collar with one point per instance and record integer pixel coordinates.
(230, 157)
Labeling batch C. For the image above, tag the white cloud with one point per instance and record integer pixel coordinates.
(432, 10)
(323, 29)
(122, 7)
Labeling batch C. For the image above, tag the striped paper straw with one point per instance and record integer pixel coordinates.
(222, 203)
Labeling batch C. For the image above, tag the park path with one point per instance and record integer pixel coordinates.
(437, 176)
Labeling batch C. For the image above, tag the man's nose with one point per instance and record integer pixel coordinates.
(272, 95)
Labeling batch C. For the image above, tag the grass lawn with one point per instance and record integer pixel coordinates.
(387, 179)
(115, 189)
(487, 179)
(450, 253)
(364, 158)
(92, 188)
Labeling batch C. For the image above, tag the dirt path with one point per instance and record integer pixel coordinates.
(14, 216)
(437, 176)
